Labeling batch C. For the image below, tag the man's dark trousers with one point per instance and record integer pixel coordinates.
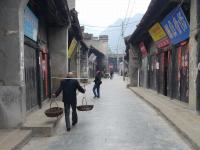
(67, 114)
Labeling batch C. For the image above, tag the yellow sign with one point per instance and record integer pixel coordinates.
(157, 32)
(72, 47)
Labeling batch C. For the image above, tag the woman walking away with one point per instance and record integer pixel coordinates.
(97, 83)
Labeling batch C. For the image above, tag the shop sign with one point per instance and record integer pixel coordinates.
(143, 49)
(176, 25)
(72, 47)
(163, 43)
(30, 24)
(157, 32)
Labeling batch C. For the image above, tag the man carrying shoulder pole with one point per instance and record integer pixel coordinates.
(68, 87)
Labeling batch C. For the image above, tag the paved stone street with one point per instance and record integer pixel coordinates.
(119, 121)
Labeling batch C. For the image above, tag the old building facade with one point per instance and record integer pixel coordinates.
(163, 50)
(97, 55)
(33, 50)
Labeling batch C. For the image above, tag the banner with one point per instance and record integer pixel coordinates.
(157, 32)
(143, 49)
(92, 57)
(163, 42)
(72, 47)
(176, 25)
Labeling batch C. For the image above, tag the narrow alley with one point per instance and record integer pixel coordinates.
(119, 120)
(48, 47)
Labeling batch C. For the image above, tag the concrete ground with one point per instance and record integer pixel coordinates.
(119, 121)
(178, 113)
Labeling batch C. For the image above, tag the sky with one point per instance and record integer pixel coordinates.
(102, 13)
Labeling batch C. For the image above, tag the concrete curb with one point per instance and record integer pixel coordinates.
(16, 139)
(183, 134)
(23, 141)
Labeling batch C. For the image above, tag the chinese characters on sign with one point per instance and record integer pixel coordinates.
(30, 24)
(176, 25)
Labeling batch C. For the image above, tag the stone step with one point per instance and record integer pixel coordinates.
(40, 124)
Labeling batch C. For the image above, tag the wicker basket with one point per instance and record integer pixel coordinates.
(54, 111)
(85, 107)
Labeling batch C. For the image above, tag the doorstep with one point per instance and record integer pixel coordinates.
(39, 123)
(185, 121)
(13, 139)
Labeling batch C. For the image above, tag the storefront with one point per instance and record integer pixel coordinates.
(143, 69)
(163, 66)
(37, 67)
(177, 28)
(30, 58)
(182, 72)
(168, 63)
(159, 63)
(152, 71)
(32, 34)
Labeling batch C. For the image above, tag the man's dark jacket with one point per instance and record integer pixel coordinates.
(69, 87)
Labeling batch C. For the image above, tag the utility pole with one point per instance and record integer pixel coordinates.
(122, 34)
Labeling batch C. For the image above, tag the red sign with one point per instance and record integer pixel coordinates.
(143, 49)
(162, 43)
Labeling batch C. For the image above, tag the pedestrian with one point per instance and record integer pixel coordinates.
(111, 73)
(97, 83)
(68, 87)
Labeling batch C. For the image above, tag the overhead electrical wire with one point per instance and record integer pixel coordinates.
(100, 26)
(122, 26)
(109, 30)
(93, 26)
(126, 24)
(127, 10)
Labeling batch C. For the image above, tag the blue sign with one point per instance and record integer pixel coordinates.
(30, 24)
(176, 25)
